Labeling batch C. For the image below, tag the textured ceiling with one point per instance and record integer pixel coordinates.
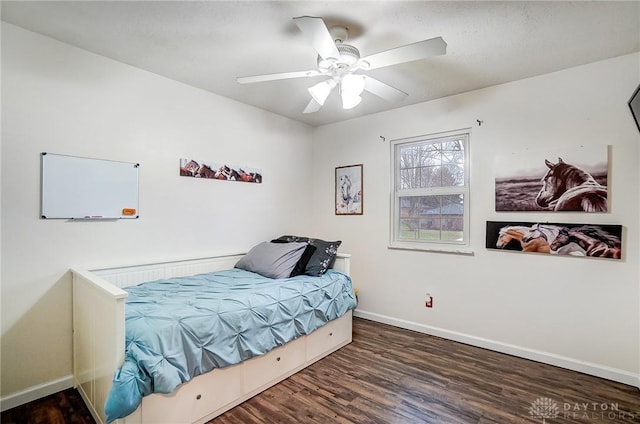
(208, 44)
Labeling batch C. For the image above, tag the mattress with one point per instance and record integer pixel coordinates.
(182, 327)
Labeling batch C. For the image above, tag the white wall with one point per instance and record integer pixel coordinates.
(61, 99)
(574, 312)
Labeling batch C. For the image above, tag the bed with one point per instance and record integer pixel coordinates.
(99, 297)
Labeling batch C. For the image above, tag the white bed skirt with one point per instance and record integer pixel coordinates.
(99, 341)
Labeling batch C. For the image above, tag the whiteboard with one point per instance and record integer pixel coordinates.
(83, 188)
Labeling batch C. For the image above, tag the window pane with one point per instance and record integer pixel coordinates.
(409, 229)
(409, 207)
(410, 178)
(432, 218)
(452, 217)
(453, 152)
(408, 157)
(430, 228)
(432, 165)
(452, 175)
(430, 176)
(428, 156)
(430, 205)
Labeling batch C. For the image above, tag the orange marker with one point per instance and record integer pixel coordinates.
(128, 211)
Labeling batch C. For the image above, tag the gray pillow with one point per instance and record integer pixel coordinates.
(272, 260)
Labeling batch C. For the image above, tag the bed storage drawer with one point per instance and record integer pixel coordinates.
(329, 337)
(264, 369)
(208, 393)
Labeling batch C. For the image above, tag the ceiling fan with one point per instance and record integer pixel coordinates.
(340, 62)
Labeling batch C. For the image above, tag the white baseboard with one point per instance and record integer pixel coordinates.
(36, 392)
(597, 370)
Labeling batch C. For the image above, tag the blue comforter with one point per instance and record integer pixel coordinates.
(182, 327)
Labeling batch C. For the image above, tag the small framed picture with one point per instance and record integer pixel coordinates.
(349, 190)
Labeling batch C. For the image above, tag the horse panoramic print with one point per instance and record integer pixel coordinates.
(202, 169)
(573, 179)
(599, 241)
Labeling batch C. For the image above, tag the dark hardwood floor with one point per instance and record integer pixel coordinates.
(60, 408)
(389, 375)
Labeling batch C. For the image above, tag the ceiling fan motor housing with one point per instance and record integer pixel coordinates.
(348, 54)
(349, 57)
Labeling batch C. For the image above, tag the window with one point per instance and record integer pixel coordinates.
(430, 198)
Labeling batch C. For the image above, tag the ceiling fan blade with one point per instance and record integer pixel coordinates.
(313, 106)
(280, 76)
(383, 90)
(316, 31)
(409, 53)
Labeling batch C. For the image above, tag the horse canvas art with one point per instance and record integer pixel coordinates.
(598, 241)
(532, 182)
(206, 169)
(592, 239)
(520, 234)
(566, 187)
(349, 190)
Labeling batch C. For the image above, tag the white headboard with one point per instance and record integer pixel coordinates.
(124, 276)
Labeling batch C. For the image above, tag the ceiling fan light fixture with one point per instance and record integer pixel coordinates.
(350, 101)
(352, 85)
(321, 90)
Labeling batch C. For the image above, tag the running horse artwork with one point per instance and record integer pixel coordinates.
(189, 169)
(520, 233)
(208, 170)
(592, 239)
(585, 240)
(549, 233)
(566, 187)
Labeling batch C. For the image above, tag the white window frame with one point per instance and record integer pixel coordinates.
(395, 242)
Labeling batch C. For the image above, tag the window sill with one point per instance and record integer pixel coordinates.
(458, 250)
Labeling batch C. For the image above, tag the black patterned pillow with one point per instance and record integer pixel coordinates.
(322, 259)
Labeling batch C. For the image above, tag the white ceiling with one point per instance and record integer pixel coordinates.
(208, 44)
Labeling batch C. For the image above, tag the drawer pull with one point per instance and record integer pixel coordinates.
(278, 359)
(330, 334)
(199, 397)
